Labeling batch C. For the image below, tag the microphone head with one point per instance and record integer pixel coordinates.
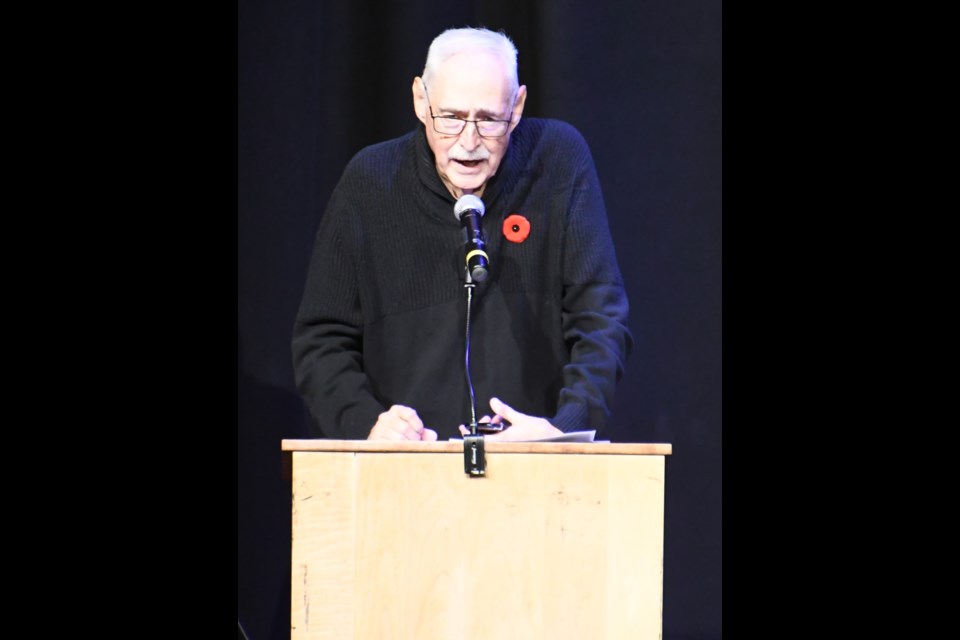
(468, 203)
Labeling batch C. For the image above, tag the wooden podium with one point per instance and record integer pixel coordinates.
(397, 542)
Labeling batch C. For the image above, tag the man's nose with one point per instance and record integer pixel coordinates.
(470, 136)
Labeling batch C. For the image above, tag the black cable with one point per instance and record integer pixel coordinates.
(473, 400)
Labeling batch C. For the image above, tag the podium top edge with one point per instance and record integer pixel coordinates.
(446, 446)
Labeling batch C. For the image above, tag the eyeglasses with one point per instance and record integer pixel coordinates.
(451, 126)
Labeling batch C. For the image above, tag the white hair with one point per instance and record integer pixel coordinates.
(454, 41)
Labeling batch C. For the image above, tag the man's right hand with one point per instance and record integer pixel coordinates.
(400, 423)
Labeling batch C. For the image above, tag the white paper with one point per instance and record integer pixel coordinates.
(573, 436)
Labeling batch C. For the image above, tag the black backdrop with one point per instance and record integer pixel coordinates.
(316, 81)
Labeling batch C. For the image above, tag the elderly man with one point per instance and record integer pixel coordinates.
(394, 340)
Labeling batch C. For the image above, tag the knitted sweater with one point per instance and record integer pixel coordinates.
(383, 316)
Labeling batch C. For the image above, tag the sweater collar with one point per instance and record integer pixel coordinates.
(427, 166)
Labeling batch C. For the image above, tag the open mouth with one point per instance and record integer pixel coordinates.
(469, 163)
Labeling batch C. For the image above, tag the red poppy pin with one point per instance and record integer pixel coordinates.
(516, 228)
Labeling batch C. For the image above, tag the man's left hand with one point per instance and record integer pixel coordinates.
(522, 427)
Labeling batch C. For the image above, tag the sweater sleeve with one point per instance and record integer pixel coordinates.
(327, 340)
(595, 307)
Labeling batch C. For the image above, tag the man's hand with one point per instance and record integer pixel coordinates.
(522, 427)
(400, 423)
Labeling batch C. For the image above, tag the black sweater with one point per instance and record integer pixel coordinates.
(383, 315)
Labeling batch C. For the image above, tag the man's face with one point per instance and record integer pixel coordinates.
(472, 86)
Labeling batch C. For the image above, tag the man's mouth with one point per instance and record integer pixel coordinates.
(468, 163)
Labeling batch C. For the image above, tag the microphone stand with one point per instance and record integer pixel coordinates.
(474, 461)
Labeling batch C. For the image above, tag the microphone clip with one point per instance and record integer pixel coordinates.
(474, 459)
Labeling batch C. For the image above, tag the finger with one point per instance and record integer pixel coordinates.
(464, 431)
(428, 435)
(389, 431)
(407, 432)
(409, 416)
(504, 410)
(392, 421)
(384, 429)
(391, 425)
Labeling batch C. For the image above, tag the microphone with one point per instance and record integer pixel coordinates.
(468, 210)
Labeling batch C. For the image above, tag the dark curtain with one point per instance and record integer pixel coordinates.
(316, 81)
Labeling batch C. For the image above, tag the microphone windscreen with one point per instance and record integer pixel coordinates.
(468, 202)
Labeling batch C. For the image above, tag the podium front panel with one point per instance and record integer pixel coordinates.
(403, 545)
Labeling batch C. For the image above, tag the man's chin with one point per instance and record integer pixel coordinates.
(468, 184)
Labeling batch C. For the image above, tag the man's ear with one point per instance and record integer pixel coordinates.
(419, 100)
(518, 106)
